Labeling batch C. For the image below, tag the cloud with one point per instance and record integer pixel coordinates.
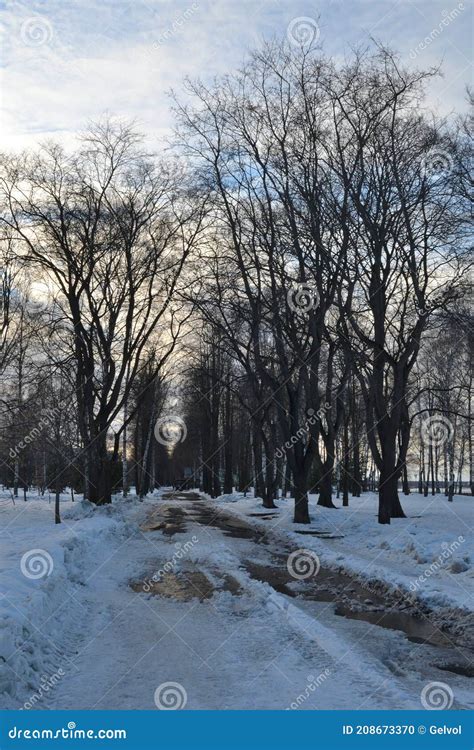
(67, 61)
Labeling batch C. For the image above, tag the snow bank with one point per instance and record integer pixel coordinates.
(42, 565)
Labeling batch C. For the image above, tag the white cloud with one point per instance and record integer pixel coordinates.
(68, 61)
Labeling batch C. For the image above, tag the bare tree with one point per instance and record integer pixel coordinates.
(275, 266)
(109, 229)
(406, 255)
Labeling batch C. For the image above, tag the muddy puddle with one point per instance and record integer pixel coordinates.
(185, 585)
(229, 525)
(417, 630)
(352, 600)
(320, 534)
(271, 516)
(181, 495)
(181, 586)
(169, 520)
(465, 670)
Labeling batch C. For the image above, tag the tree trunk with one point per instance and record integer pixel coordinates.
(145, 462)
(288, 479)
(86, 475)
(45, 474)
(325, 485)
(244, 456)
(100, 489)
(469, 431)
(451, 445)
(124, 456)
(301, 514)
(397, 510)
(16, 477)
(386, 491)
(345, 466)
(57, 514)
(389, 502)
(228, 444)
(432, 466)
(406, 486)
(259, 484)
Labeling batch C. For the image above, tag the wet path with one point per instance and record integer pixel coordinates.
(192, 595)
(348, 597)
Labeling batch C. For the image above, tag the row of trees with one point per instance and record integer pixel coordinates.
(229, 445)
(338, 237)
(301, 252)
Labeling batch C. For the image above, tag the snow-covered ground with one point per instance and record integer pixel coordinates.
(429, 554)
(75, 634)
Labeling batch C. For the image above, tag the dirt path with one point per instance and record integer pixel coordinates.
(200, 598)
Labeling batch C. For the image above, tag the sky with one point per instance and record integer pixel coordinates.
(66, 62)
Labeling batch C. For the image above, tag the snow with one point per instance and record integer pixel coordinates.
(41, 617)
(429, 554)
(81, 637)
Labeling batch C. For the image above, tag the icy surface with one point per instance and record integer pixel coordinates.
(82, 637)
